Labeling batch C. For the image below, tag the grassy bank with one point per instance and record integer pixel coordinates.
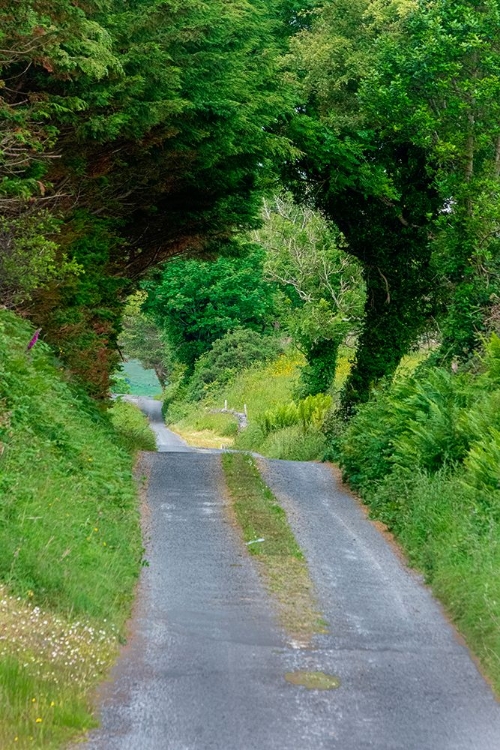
(265, 390)
(269, 538)
(70, 542)
(259, 388)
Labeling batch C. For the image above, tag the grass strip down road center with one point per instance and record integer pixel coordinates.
(270, 540)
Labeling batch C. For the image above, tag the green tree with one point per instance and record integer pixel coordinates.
(373, 184)
(197, 302)
(229, 355)
(29, 255)
(306, 256)
(399, 127)
(145, 126)
(38, 38)
(438, 85)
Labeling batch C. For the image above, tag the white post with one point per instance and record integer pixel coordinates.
(225, 404)
(245, 409)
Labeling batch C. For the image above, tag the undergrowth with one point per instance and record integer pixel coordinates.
(266, 391)
(296, 430)
(425, 455)
(258, 388)
(132, 427)
(70, 541)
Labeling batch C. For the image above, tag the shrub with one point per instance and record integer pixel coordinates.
(174, 392)
(365, 449)
(483, 462)
(492, 358)
(250, 439)
(284, 415)
(236, 351)
(415, 423)
(429, 413)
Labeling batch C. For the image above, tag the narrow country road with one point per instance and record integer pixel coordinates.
(206, 662)
(166, 440)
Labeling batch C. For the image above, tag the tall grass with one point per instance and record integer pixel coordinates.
(307, 413)
(70, 540)
(293, 444)
(258, 388)
(132, 427)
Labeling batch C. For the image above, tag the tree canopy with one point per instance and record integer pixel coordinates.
(197, 302)
(135, 132)
(144, 128)
(305, 256)
(398, 130)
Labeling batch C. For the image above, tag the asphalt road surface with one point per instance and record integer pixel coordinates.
(206, 661)
(166, 440)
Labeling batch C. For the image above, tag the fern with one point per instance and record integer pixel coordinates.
(483, 462)
(309, 412)
(492, 358)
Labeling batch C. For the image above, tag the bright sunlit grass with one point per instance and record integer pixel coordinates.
(70, 542)
(258, 389)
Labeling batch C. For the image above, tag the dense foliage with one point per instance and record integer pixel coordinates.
(295, 280)
(236, 351)
(197, 302)
(399, 131)
(439, 80)
(322, 284)
(372, 184)
(135, 132)
(131, 132)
